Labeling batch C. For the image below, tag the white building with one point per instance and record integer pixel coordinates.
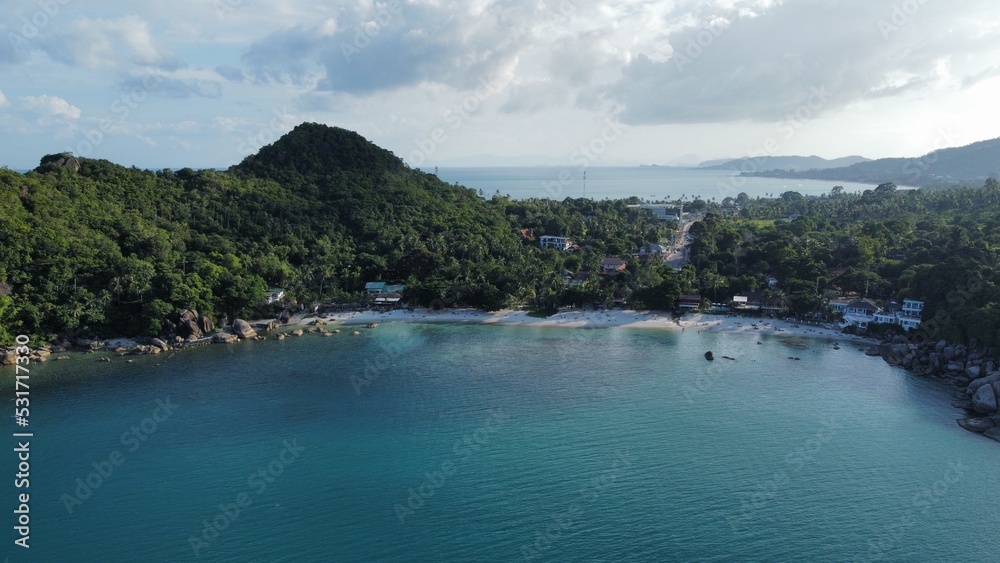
(913, 308)
(839, 305)
(662, 211)
(863, 311)
(558, 243)
(885, 318)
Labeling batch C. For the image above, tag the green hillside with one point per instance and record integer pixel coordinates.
(971, 164)
(88, 247)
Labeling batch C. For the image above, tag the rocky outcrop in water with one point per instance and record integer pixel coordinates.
(243, 329)
(984, 400)
(973, 372)
(225, 338)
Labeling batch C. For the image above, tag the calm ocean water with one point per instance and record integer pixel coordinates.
(474, 443)
(648, 183)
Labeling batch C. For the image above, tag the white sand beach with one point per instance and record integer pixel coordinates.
(592, 319)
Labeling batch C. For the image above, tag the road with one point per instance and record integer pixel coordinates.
(677, 258)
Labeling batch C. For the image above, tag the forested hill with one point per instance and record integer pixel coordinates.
(313, 151)
(393, 221)
(968, 165)
(88, 247)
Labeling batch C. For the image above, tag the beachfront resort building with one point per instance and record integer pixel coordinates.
(379, 287)
(689, 301)
(913, 308)
(756, 301)
(839, 306)
(558, 243)
(862, 312)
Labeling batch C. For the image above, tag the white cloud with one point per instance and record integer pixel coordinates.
(765, 66)
(394, 76)
(107, 43)
(372, 48)
(50, 106)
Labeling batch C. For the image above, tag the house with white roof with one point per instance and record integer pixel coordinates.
(861, 312)
(558, 243)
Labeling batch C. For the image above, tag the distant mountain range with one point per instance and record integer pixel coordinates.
(968, 165)
(794, 163)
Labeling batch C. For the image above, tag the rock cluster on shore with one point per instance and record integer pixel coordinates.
(187, 329)
(974, 373)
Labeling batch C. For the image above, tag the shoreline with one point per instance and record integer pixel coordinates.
(300, 325)
(597, 319)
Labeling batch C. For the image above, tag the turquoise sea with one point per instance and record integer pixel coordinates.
(652, 183)
(426, 443)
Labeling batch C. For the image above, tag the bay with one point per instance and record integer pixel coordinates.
(652, 183)
(419, 442)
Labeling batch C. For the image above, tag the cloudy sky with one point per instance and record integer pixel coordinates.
(203, 83)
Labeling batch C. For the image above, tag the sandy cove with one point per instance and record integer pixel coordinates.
(589, 319)
(518, 317)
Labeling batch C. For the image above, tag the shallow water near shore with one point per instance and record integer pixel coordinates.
(415, 442)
